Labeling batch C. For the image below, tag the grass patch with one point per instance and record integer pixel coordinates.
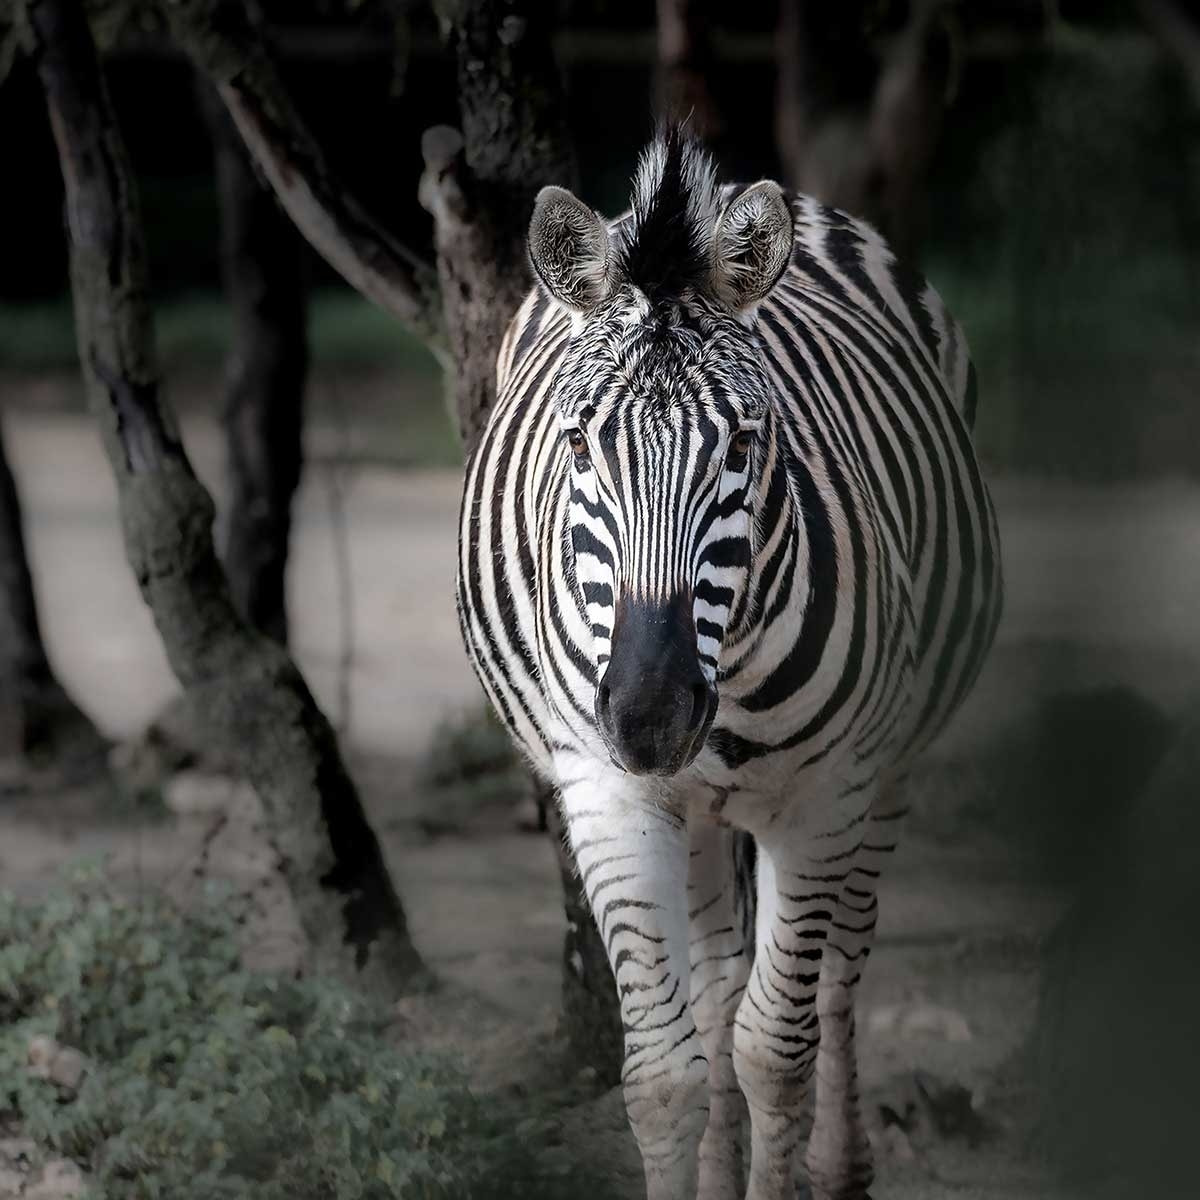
(208, 1081)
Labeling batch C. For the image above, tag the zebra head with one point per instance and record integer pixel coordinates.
(662, 398)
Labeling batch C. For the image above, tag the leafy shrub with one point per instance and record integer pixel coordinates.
(209, 1081)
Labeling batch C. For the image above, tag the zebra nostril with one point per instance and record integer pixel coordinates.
(603, 695)
(699, 705)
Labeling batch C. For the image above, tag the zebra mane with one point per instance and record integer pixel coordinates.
(668, 249)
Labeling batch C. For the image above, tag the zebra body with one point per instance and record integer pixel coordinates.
(727, 563)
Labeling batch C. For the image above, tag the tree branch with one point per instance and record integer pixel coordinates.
(246, 690)
(262, 268)
(225, 39)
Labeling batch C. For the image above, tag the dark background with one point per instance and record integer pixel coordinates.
(1061, 217)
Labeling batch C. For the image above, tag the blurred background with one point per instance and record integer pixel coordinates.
(1029, 1020)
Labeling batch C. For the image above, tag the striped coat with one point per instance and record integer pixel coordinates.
(727, 562)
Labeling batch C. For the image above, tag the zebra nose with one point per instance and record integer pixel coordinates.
(654, 704)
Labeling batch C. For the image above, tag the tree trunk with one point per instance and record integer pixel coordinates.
(905, 124)
(38, 720)
(825, 80)
(856, 126)
(244, 686)
(480, 182)
(263, 272)
(685, 64)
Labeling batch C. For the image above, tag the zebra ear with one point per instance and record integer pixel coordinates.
(569, 249)
(752, 245)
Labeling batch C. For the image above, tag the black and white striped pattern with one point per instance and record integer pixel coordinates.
(796, 477)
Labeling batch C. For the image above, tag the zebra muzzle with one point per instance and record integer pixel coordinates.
(654, 704)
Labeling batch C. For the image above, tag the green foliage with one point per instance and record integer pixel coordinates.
(209, 1081)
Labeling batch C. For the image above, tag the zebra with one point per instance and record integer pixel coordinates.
(726, 566)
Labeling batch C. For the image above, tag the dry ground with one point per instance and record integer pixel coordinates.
(1101, 589)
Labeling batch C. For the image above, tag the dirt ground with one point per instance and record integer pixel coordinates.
(1101, 588)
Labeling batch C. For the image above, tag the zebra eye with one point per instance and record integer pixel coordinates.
(578, 444)
(739, 447)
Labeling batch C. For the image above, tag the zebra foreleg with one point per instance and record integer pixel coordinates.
(633, 857)
(839, 1155)
(777, 1031)
(720, 967)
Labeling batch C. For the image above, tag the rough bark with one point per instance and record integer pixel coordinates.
(224, 38)
(263, 270)
(480, 182)
(244, 686)
(857, 127)
(38, 720)
(685, 64)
